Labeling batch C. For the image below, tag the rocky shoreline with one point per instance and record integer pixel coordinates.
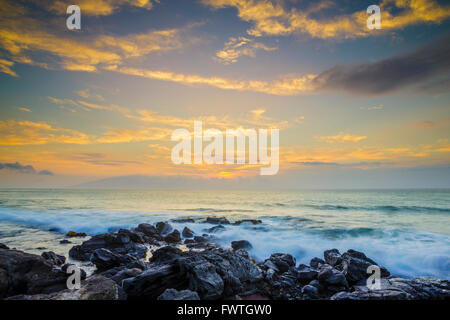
(161, 263)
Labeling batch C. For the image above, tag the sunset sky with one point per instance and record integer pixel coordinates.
(353, 105)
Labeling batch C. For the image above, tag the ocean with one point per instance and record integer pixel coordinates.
(407, 231)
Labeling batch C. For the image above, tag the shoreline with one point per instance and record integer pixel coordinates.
(160, 262)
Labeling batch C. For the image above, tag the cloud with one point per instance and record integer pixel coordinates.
(27, 169)
(427, 124)
(389, 74)
(24, 109)
(240, 46)
(341, 137)
(5, 67)
(96, 7)
(272, 18)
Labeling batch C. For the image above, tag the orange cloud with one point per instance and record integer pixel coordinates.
(341, 137)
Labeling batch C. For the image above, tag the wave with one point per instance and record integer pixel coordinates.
(216, 210)
(385, 208)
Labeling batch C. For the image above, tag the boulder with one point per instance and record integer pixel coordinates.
(53, 258)
(241, 244)
(183, 220)
(94, 288)
(65, 241)
(215, 229)
(331, 277)
(173, 294)
(173, 237)
(316, 262)
(3, 246)
(332, 257)
(354, 266)
(187, 233)
(147, 229)
(104, 259)
(306, 274)
(217, 220)
(311, 291)
(252, 221)
(282, 261)
(163, 228)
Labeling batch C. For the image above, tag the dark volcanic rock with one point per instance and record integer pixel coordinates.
(217, 220)
(354, 266)
(115, 242)
(311, 291)
(24, 273)
(172, 294)
(215, 229)
(213, 274)
(199, 239)
(282, 261)
(332, 257)
(119, 274)
(94, 288)
(187, 233)
(423, 288)
(173, 237)
(183, 220)
(132, 235)
(316, 262)
(306, 274)
(252, 221)
(163, 228)
(3, 246)
(241, 244)
(147, 229)
(104, 259)
(53, 258)
(330, 277)
(65, 241)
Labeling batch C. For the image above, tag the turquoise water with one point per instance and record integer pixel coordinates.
(408, 231)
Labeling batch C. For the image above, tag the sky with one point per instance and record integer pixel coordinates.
(356, 107)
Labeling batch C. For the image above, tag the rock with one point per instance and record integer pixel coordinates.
(241, 244)
(94, 288)
(183, 220)
(332, 257)
(306, 274)
(173, 294)
(215, 229)
(282, 261)
(189, 241)
(65, 241)
(173, 237)
(4, 246)
(252, 221)
(316, 262)
(199, 239)
(163, 228)
(119, 274)
(187, 233)
(53, 258)
(217, 220)
(132, 235)
(354, 266)
(330, 277)
(75, 234)
(104, 259)
(311, 291)
(213, 274)
(147, 229)
(115, 242)
(65, 267)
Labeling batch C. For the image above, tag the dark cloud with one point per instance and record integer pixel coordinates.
(384, 76)
(17, 167)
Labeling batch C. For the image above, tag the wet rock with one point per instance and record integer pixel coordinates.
(183, 220)
(252, 221)
(354, 266)
(189, 241)
(173, 294)
(65, 241)
(19, 270)
(215, 229)
(306, 274)
(310, 291)
(73, 234)
(173, 237)
(199, 239)
(187, 233)
(94, 288)
(163, 228)
(316, 262)
(3, 246)
(217, 220)
(332, 257)
(104, 259)
(330, 277)
(282, 261)
(119, 274)
(116, 243)
(53, 258)
(132, 235)
(147, 229)
(241, 244)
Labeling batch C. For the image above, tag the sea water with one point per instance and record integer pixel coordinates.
(407, 231)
